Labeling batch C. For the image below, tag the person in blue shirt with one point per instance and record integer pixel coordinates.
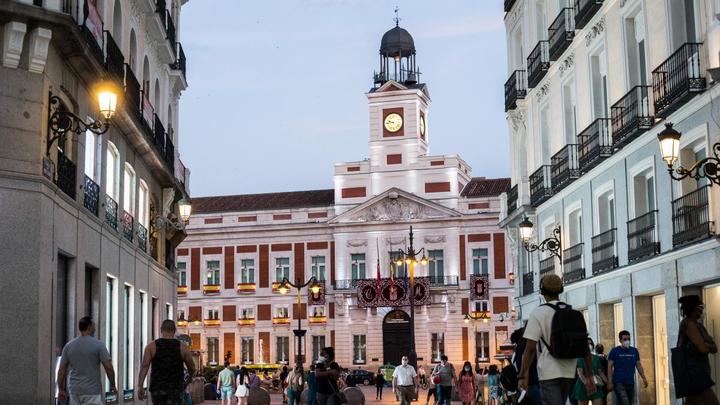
(622, 362)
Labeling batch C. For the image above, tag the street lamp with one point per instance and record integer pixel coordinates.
(284, 288)
(409, 257)
(708, 167)
(172, 221)
(551, 244)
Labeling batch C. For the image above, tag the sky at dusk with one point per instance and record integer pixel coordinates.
(277, 88)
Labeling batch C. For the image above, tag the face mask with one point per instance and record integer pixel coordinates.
(467, 368)
(626, 343)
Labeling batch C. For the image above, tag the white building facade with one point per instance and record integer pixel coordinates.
(591, 85)
(239, 249)
(85, 217)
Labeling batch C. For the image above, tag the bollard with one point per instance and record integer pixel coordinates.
(258, 396)
(354, 396)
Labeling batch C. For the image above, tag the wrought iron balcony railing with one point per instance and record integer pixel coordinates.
(595, 144)
(443, 281)
(508, 5)
(512, 199)
(573, 269)
(128, 226)
(565, 167)
(180, 61)
(540, 185)
(142, 237)
(111, 212)
(585, 10)
(91, 197)
(678, 79)
(631, 116)
(691, 217)
(604, 252)
(538, 63)
(66, 172)
(547, 266)
(170, 29)
(515, 89)
(345, 284)
(114, 59)
(133, 94)
(643, 241)
(528, 283)
(561, 33)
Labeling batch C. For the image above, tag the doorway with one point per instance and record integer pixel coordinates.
(662, 376)
(396, 336)
(711, 300)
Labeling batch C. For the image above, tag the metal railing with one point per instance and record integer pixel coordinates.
(528, 283)
(180, 61)
(515, 89)
(66, 172)
(585, 10)
(547, 266)
(170, 29)
(691, 217)
(161, 10)
(128, 224)
(677, 79)
(631, 115)
(512, 198)
(133, 94)
(604, 252)
(91, 195)
(595, 144)
(573, 269)
(142, 234)
(561, 33)
(565, 167)
(111, 212)
(508, 5)
(443, 281)
(345, 284)
(538, 63)
(540, 185)
(643, 241)
(114, 59)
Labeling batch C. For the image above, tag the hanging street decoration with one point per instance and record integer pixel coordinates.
(480, 286)
(391, 293)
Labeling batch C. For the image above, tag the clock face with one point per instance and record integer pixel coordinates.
(393, 122)
(422, 125)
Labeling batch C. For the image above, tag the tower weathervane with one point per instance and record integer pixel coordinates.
(397, 18)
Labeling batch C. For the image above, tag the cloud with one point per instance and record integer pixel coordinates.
(468, 26)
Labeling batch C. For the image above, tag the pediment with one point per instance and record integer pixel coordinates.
(395, 205)
(391, 85)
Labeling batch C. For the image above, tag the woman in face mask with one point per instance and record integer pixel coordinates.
(695, 338)
(579, 392)
(466, 384)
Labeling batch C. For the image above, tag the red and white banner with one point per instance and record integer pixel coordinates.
(93, 21)
(480, 286)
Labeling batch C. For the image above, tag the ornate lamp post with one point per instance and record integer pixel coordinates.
(409, 257)
(551, 244)
(284, 288)
(708, 167)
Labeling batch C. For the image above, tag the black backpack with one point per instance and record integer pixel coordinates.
(509, 378)
(568, 333)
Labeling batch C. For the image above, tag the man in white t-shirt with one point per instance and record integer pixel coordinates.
(556, 376)
(404, 382)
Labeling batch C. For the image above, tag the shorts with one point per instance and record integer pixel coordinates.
(226, 392)
(86, 399)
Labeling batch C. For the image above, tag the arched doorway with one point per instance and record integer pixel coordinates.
(396, 336)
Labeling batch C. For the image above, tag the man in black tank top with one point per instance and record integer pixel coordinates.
(166, 355)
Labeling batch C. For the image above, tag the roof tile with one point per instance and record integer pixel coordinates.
(263, 202)
(482, 187)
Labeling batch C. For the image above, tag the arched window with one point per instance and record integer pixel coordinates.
(143, 204)
(129, 189)
(117, 24)
(112, 172)
(157, 95)
(132, 59)
(146, 75)
(170, 129)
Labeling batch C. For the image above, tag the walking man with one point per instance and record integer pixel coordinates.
(226, 384)
(446, 372)
(622, 362)
(166, 355)
(404, 382)
(83, 356)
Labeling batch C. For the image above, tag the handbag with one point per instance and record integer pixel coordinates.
(689, 369)
(338, 396)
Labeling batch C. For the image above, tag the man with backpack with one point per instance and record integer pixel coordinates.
(557, 335)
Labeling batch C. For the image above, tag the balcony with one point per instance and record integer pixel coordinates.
(246, 288)
(246, 321)
(66, 173)
(508, 5)
(691, 218)
(631, 116)
(169, 29)
(133, 94)
(345, 284)
(540, 185)
(678, 79)
(565, 167)
(91, 29)
(643, 241)
(211, 322)
(573, 269)
(180, 60)
(584, 11)
(281, 320)
(209, 289)
(595, 144)
(561, 33)
(114, 59)
(512, 198)
(547, 266)
(275, 285)
(528, 280)
(515, 89)
(127, 226)
(538, 63)
(604, 253)
(317, 320)
(443, 281)
(142, 234)
(111, 212)
(182, 322)
(182, 289)
(91, 197)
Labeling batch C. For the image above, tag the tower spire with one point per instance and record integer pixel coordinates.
(397, 17)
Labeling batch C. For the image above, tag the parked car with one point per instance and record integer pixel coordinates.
(363, 376)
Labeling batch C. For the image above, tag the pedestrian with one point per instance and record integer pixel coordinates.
(312, 386)
(242, 382)
(350, 379)
(295, 382)
(622, 362)
(80, 360)
(697, 342)
(446, 373)
(327, 373)
(556, 363)
(254, 380)
(226, 384)
(379, 384)
(283, 384)
(600, 351)
(421, 376)
(466, 384)
(166, 355)
(404, 382)
(532, 395)
(579, 392)
(493, 383)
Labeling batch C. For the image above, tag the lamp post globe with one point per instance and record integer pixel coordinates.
(669, 140)
(526, 229)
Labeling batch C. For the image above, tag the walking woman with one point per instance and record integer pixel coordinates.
(242, 383)
(327, 373)
(466, 384)
(379, 384)
(580, 392)
(493, 383)
(694, 337)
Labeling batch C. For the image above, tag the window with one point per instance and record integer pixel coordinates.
(282, 349)
(482, 346)
(143, 322)
(247, 270)
(689, 155)
(644, 192)
(92, 146)
(154, 318)
(112, 172)
(282, 312)
(318, 267)
(437, 345)
(213, 314)
(635, 50)
(128, 334)
(357, 263)
(480, 261)
(182, 274)
(246, 347)
(110, 320)
(683, 22)
(213, 347)
(213, 272)
(318, 310)
(598, 76)
(436, 265)
(143, 204)
(545, 135)
(359, 348)
(482, 306)
(247, 313)
(606, 211)
(569, 111)
(541, 24)
(318, 342)
(574, 226)
(129, 190)
(282, 268)
(181, 314)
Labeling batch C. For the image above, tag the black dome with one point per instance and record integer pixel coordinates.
(397, 42)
